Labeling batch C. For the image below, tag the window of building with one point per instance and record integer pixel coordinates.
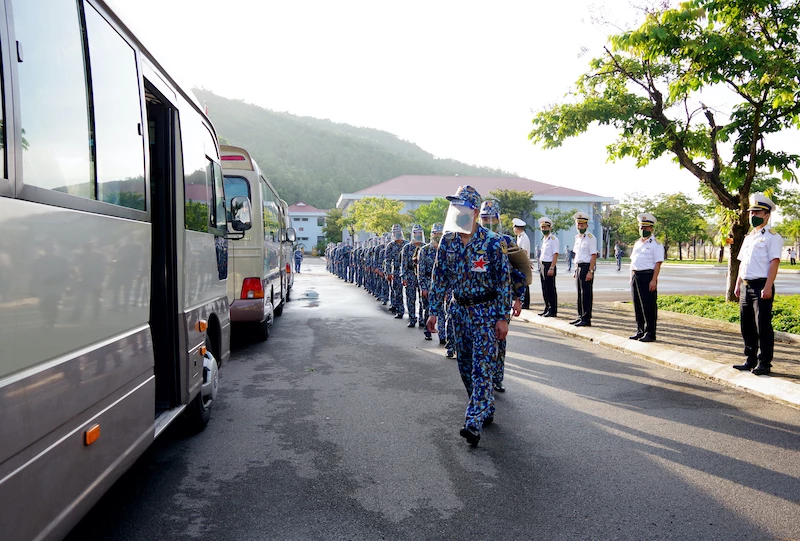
(321, 222)
(304, 219)
(117, 115)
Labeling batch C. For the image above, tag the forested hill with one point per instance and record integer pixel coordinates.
(313, 160)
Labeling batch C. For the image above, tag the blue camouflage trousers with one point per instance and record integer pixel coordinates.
(411, 298)
(476, 351)
(396, 286)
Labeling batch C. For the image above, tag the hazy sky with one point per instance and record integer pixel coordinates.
(459, 78)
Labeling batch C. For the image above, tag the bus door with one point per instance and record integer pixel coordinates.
(163, 127)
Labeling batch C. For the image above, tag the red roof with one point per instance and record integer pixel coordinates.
(435, 185)
(304, 207)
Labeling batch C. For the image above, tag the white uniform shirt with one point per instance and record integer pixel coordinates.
(524, 242)
(585, 246)
(550, 247)
(646, 254)
(760, 246)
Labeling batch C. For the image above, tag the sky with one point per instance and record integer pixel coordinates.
(461, 79)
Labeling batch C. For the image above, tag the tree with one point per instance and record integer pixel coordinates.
(514, 204)
(648, 85)
(377, 214)
(610, 217)
(429, 214)
(679, 220)
(332, 230)
(561, 219)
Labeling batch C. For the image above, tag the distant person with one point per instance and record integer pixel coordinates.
(760, 257)
(792, 256)
(570, 256)
(646, 258)
(298, 258)
(525, 244)
(618, 252)
(547, 267)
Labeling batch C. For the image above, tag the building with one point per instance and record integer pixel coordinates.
(417, 190)
(308, 222)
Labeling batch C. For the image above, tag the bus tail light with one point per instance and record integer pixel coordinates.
(252, 289)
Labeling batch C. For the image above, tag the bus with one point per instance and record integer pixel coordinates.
(114, 315)
(257, 288)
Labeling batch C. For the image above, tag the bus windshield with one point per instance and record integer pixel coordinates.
(235, 187)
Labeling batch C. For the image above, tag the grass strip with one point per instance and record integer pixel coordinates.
(785, 309)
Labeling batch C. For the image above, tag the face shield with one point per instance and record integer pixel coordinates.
(459, 219)
(418, 235)
(397, 234)
(490, 222)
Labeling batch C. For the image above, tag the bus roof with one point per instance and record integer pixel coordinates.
(235, 158)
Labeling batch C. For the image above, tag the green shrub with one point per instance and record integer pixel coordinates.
(785, 310)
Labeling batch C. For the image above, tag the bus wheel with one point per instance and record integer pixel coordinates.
(261, 331)
(199, 411)
(279, 310)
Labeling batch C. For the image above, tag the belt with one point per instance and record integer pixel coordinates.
(648, 271)
(472, 301)
(584, 264)
(754, 281)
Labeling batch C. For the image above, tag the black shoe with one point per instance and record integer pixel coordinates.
(583, 324)
(499, 387)
(550, 314)
(647, 338)
(762, 369)
(542, 313)
(399, 316)
(412, 325)
(489, 420)
(442, 341)
(748, 365)
(428, 336)
(392, 310)
(449, 354)
(472, 435)
(636, 336)
(421, 325)
(574, 321)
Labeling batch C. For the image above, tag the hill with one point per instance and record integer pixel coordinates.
(313, 160)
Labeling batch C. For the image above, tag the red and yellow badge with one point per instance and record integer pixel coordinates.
(479, 264)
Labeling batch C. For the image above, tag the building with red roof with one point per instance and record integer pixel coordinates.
(308, 222)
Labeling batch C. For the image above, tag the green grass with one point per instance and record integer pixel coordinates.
(785, 310)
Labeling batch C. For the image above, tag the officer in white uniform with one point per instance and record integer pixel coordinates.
(760, 257)
(585, 248)
(525, 243)
(547, 267)
(646, 259)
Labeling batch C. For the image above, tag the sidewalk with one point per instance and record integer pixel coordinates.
(699, 346)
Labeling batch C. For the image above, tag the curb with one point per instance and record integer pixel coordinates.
(777, 390)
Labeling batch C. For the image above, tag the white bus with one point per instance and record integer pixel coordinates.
(113, 259)
(257, 286)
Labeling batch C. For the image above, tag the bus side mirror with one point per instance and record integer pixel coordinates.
(291, 235)
(241, 214)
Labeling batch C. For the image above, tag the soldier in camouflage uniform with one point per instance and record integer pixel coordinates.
(391, 267)
(472, 262)
(425, 260)
(408, 275)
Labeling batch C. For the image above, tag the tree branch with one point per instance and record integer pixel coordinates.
(714, 150)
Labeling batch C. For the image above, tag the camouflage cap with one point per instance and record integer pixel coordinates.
(490, 209)
(437, 228)
(467, 196)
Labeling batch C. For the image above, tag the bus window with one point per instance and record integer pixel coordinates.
(219, 219)
(235, 187)
(117, 115)
(53, 97)
(197, 189)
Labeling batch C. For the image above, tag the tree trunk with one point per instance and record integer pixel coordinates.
(738, 232)
(680, 252)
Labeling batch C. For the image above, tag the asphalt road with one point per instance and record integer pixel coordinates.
(344, 425)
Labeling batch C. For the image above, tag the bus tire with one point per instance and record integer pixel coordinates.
(198, 413)
(279, 310)
(261, 331)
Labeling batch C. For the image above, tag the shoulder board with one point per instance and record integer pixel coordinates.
(772, 232)
(591, 236)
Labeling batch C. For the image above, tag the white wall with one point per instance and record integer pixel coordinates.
(307, 228)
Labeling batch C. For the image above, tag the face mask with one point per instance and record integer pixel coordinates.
(581, 230)
(464, 220)
(435, 239)
(755, 221)
(545, 231)
(644, 233)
